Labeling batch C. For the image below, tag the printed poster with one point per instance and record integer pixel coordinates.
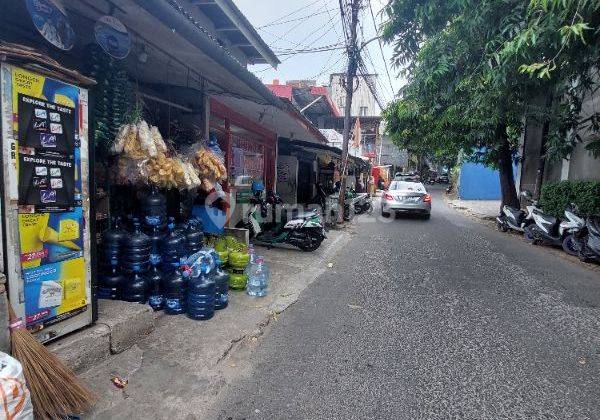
(46, 155)
(54, 292)
(50, 237)
(46, 125)
(46, 181)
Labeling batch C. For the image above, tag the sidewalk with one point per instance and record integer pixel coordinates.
(482, 209)
(156, 352)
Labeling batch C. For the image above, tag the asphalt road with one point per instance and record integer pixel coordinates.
(444, 318)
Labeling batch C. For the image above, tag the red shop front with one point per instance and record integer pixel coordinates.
(250, 149)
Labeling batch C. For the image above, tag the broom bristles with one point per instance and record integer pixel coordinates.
(55, 390)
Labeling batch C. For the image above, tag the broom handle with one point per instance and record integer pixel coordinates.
(14, 322)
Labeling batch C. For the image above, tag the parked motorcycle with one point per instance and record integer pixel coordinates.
(302, 230)
(587, 240)
(550, 230)
(511, 218)
(570, 229)
(363, 203)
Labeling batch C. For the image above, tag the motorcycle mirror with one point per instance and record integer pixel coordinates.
(525, 194)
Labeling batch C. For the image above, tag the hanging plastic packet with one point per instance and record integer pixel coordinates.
(213, 146)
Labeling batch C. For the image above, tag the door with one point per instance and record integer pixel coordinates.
(287, 178)
(305, 181)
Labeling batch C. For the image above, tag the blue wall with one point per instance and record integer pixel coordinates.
(478, 182)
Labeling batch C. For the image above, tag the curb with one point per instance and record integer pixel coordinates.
(120, 325)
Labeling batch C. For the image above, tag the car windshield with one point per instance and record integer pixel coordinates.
(406, 178)
(407, 186)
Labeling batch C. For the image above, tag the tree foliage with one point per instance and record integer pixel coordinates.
(477, 68)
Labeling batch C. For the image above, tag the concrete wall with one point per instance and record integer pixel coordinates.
(391, 154)
(580, 165)
(362, 96)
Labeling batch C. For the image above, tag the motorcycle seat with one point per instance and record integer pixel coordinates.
(306, 214)
(518, 214)
(549, 220)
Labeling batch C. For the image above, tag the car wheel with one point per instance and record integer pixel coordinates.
(385, 213)
(427, 216)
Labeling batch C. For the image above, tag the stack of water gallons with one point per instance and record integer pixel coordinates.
(154, 210)
(135, 262)
(155, 275)
(111, 279)
(174, 247)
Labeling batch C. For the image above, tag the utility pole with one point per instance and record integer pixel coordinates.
(353, 60)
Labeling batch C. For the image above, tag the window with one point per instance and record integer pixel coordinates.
(407, 186)
(363, 111)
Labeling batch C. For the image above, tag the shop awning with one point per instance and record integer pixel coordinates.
(286, 122)
(179, 51)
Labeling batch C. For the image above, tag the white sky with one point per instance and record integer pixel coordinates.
(322, 29)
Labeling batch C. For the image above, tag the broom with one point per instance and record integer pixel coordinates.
(55, 390)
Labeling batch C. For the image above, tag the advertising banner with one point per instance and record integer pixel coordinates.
(46, 181)
(46, 189)
(45, 125)
(50, 237)
(54, 292)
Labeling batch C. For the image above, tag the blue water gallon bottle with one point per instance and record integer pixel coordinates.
(175, 291)
(155, 294)
(201, 297)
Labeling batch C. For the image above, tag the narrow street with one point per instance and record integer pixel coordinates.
(444, 318)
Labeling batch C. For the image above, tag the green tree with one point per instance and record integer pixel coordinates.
(474, 68)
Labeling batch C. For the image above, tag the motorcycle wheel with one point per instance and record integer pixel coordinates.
(529, 237)
(501, 227)
(569, 246)
(369, 208)
(582, 255)
(313, 244)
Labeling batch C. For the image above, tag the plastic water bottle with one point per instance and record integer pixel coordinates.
(258, 279)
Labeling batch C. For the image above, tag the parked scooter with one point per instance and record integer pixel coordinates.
(570, 229)
(587, 240)
(363, 203)
(511, 218)
(550, 230)
(302, 230)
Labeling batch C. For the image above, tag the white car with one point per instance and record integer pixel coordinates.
(406, 197)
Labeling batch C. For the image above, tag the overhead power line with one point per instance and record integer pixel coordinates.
(323, 48)
(387, 71)
(291, 13)
(322, 12)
